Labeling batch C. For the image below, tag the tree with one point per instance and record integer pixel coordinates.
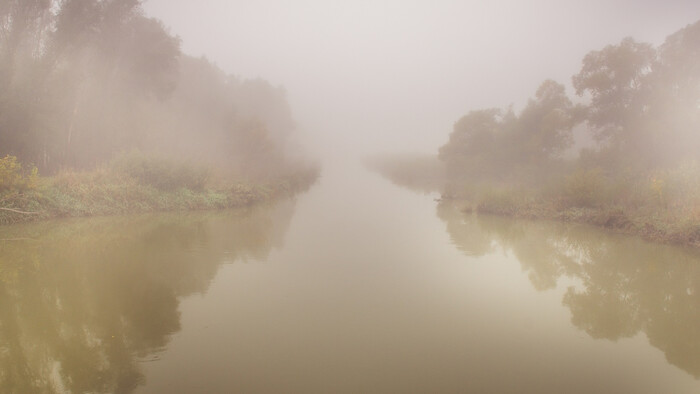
(497, 144)
(81, 80)
(676, 105)
(472, 144)
(544, 127)
(616, 78)
(69, 67)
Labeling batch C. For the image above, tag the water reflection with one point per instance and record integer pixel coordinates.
(622, 285)
(83, 303)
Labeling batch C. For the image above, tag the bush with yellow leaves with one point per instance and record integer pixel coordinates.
(15, 178)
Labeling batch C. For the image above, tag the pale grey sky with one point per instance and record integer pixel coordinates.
(367, 76)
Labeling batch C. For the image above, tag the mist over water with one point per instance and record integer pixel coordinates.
(349, 196)
(377, 76)
(318, 295)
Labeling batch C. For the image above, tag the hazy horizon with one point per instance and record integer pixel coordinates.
(365, 77)
(341, 197)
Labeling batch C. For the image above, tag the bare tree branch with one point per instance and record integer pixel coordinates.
(18, 211)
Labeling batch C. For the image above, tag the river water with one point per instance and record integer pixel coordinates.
(355, 286)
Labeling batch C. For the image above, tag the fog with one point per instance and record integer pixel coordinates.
(374, 76)
(391, 196)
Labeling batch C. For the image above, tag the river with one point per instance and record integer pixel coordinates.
(356, 286)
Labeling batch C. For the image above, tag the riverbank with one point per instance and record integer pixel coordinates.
(105, 192)
(664, 208)
(679, 226)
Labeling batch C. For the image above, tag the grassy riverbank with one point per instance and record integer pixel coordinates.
(624, 153)
(137, 184)
(663, 206)
(651, 210)
(666, 227)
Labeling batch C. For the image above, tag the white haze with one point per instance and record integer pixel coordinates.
(376, 76)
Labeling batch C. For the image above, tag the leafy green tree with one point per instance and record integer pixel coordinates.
(544, 126)
(499, 145)
(472, 145)
(617, 80)
(82, 80)
(676, 105)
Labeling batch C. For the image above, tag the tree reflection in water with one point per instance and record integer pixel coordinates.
(627, 286)
(82, 303)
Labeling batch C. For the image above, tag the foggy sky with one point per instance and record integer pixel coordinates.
(381, 76)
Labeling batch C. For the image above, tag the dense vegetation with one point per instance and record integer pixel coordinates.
(640, 109)
(134, 183)
(83, 81)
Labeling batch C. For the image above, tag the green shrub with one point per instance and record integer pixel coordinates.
(586, 188)
(69, 180)
(161, 172)
(682, 184)
(501, 201)
(15, 178)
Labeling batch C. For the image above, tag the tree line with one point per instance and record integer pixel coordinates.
(82, 80)
(640, 105)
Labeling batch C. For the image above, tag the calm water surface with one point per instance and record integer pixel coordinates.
(356, 286)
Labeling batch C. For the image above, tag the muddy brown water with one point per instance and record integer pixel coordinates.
(355, 286)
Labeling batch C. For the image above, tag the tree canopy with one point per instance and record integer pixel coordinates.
(640, 104)
(81, 80)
